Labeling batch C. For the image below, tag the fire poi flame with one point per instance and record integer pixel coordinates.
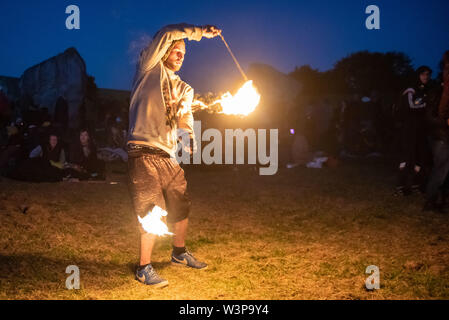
(152, 222)
(242, 103)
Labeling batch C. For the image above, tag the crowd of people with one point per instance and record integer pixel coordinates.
(414, 129)
(354, 127)
(50, 160)
(43, 148)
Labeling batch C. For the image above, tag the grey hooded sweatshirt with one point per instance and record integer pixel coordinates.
(151, 121)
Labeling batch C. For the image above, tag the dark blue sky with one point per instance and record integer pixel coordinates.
(283, 34)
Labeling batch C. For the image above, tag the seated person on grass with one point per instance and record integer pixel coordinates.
(83, 161)
(45, 163)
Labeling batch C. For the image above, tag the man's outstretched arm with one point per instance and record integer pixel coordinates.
(152, 54)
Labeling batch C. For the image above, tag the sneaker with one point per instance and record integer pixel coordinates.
(188, 260)
(148, 275)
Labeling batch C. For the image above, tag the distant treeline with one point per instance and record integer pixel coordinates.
(360, 73)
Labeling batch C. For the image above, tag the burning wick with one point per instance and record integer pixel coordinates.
(292, 131)
(152, 222)
(242, 103)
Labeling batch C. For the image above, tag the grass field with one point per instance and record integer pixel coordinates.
(301, 234)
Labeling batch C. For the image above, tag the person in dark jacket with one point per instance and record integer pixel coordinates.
(84, 163)
(45, 163)
(414, 154)
(438, 123)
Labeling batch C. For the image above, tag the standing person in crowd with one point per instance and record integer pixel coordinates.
(443, 106)
(438, 122)
(414, 148)
(351, 116)
(84, 164)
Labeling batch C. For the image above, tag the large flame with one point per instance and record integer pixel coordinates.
(152, 222)
(243, 102)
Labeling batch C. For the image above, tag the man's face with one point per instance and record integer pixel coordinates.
(424, 77)
(53, 141)
(176, 57)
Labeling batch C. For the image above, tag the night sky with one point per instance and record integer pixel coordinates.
(283, 34)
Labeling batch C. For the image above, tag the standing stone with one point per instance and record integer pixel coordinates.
(61, 76)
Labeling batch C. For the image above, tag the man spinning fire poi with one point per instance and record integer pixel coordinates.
(160, 110)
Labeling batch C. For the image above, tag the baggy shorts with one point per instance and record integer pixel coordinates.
(157, 180)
